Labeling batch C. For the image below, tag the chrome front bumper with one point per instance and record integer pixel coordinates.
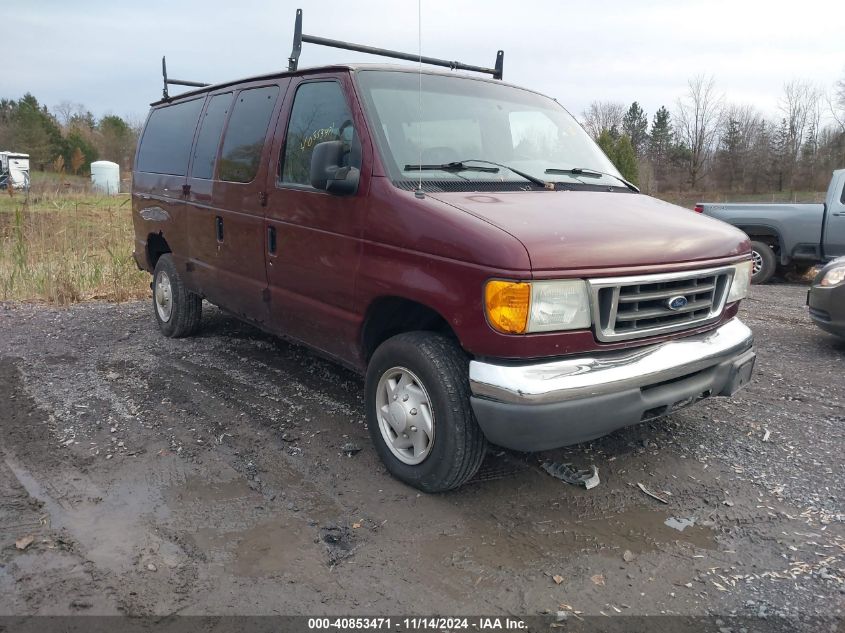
(547, 404)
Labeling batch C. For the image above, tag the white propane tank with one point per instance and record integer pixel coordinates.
(105, 177)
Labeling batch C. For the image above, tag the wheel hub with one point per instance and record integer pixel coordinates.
(756, 262)
(163, 296)
(398, 417)
(405, 415)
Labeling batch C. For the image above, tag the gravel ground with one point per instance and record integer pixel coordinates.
(207, 476)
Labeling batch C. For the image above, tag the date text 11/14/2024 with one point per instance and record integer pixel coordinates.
(417, 623)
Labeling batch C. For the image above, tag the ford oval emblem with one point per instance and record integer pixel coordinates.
(676, 303)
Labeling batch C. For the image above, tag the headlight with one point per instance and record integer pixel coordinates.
(740, 283)
(833, 277)
(559, 305)
(540, 306)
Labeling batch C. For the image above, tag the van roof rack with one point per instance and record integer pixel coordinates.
(299, 37)
(176, 82)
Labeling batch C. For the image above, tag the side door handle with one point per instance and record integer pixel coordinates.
(218, 223)
(271, 240)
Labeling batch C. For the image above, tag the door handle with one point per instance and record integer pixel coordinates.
(218, 223)
(271, 240)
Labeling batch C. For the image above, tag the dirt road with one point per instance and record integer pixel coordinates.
(207, 476)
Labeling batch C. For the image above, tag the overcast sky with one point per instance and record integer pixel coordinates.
(107, 55)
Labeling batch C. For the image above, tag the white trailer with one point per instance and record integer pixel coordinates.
(14, 170)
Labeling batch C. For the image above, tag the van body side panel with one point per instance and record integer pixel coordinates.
(158, 199)
(226, 226)
(312, 273)
(202, 249)
(158, 208)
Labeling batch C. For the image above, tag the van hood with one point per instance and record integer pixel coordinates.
(588, 229)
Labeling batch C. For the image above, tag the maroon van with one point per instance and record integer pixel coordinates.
(460, 241)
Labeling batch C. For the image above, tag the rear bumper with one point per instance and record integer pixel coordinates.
(546, 405)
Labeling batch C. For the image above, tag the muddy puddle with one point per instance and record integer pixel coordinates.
(108, 522)
(637, 530)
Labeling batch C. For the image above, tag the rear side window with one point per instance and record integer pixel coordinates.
(205, 150)
(167, 140)
(246, 132)
(319, 114)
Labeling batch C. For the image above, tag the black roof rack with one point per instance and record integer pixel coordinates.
(176, 82)
(299, 37)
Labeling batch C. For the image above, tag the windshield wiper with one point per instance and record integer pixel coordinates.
(591, 173)
(461, 165)
(454, 167)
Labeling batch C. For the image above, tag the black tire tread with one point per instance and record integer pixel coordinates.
(770, 263)
(186, 317)
(449, 361)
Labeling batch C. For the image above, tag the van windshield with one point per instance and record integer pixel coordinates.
(455, 119)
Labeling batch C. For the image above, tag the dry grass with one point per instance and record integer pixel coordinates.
(63, 244)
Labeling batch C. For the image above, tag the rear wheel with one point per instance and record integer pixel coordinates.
(419, 414)
(763, 262)
(177, 311)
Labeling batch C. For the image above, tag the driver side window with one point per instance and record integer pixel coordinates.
(319, 114)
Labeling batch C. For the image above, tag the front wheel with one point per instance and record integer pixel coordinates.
(763, 262)
(177, 310)
(419, 413)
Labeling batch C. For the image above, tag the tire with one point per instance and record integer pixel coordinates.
(177, 311)
(764, 262)
(434, 370)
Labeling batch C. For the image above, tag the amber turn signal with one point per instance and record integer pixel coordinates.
(507, 304)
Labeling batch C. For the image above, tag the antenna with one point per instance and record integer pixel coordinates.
(419, 192)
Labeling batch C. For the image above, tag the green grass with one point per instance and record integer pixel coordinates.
(62, 243)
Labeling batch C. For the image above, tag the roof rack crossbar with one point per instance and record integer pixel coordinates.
(299, 37)
(176, 82)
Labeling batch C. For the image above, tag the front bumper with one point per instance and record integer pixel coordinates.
(827, 308)
(546, 405)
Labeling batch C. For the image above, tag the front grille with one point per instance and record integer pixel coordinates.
(634, 307)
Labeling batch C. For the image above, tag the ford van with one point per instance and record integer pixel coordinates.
(459, 241)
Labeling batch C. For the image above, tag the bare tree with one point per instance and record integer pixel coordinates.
(66, 110)
(801, 109)
(698, 119)
(740, 126)
(603, 115)
(837, 103)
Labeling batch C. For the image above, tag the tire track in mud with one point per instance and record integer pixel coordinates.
(246, 520)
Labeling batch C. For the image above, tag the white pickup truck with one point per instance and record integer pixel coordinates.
(800, 235)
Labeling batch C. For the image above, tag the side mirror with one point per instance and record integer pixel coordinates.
(326, 172)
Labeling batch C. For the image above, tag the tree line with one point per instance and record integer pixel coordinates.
(708, 144)
(68, 138)
(704, 143)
